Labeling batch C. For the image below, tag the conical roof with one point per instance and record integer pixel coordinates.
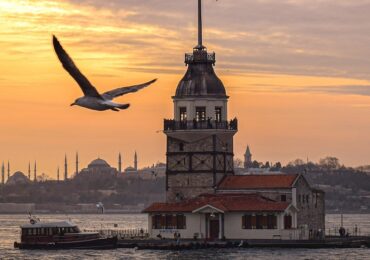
(200, 79)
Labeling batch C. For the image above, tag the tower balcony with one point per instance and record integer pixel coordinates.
(200, 56)
(173, 125)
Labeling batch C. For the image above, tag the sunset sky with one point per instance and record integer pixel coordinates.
(297, 72)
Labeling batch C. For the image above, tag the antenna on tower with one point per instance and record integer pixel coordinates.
(200, 27)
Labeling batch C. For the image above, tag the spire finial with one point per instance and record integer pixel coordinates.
(200, 27)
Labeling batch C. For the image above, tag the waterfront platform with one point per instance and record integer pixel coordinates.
(168, 244)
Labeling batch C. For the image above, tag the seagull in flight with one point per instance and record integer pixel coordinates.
(92, 99)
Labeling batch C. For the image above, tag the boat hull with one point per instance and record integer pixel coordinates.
(94, 244)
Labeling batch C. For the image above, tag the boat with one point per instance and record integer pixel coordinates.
(61, 235)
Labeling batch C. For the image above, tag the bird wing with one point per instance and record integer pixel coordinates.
(71, 68)
(125, 90)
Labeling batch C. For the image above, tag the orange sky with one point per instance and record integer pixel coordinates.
(311, 106)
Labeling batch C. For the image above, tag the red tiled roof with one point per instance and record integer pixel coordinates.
(223, 202)
(240, 182)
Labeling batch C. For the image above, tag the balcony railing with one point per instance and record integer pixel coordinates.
(200, 57)
(172, 125)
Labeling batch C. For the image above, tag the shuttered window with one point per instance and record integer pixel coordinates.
(271, 222)
(169, 221)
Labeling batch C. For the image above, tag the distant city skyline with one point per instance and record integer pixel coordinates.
(297, 74)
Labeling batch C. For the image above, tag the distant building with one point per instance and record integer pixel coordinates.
(132, 170)
(99, 166)
(18, 178)
(248, 159)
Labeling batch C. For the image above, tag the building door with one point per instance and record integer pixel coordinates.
(214, 228)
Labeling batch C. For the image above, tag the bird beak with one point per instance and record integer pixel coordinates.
(73, 104)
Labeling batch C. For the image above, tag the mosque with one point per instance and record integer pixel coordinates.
(205, 199)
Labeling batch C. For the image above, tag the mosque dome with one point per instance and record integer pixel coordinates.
(98, 163)
(18, 178)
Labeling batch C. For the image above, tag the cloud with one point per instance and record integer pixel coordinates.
(291, 37)
(361, 90)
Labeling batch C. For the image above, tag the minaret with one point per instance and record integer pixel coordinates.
(135, 161)
(2, 174)
(119, 163)
(247, 158)
(200, 136)
(29, 170)
(58, 174)
(65, 168)
(8, 170)
(35, 172)
(76, 163)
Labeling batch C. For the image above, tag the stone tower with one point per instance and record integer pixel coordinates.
(199, 137)
(247, 158)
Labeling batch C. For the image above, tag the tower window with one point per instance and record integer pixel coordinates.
(218, 112)
(200, 114)
(183, 114)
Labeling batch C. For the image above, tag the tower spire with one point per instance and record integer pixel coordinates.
(77, 163)
(8, 170)
(29, 170)
(65, 168)
(35, 172)
(58, 174)
(3, 173)
(200, 27)
(119, 163)
(135, 161)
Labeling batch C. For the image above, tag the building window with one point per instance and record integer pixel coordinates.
(283, 197)
(218, 113)
(169, 221)
(247, 222)
(299, 198)
(181, 147)
(259, 221)
(156, 221)
(287, 222)
(183, 114)
(200, 114)
(181, 221)
(271, 222)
